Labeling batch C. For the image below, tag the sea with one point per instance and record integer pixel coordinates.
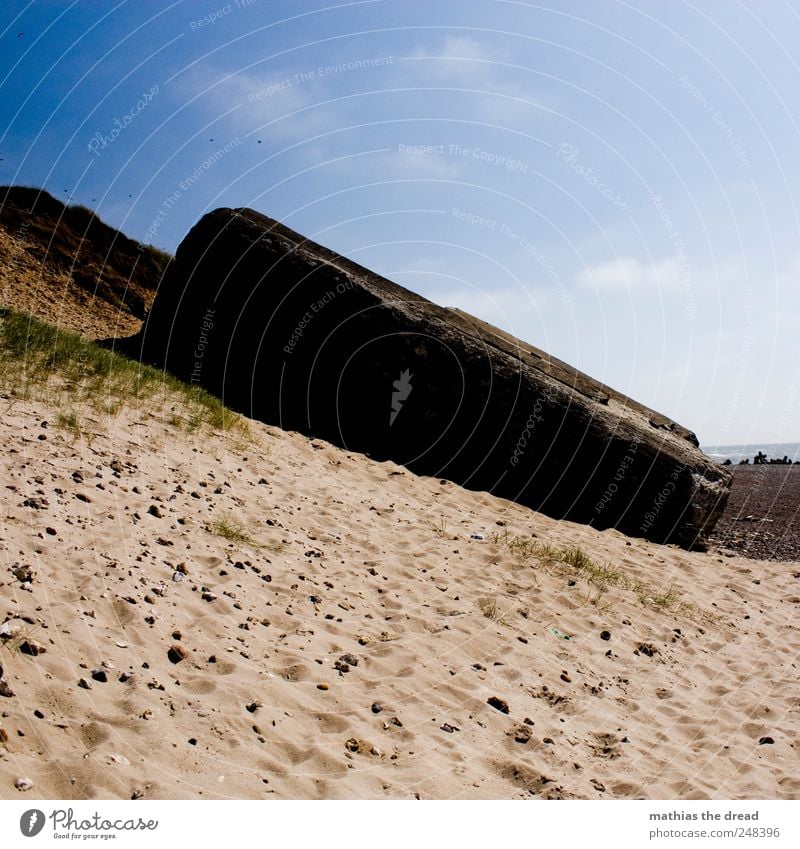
(735, 453)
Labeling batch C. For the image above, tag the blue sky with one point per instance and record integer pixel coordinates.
(614, 182)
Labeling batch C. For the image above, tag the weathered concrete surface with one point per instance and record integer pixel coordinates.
(291, 333)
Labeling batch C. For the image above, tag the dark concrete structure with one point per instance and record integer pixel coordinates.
(291, 333)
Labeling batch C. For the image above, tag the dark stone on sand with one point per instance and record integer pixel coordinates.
(498, 704)
(176, 653)
(766, 741)
(289, 332)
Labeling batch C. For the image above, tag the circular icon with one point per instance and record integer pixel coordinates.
(31, 822)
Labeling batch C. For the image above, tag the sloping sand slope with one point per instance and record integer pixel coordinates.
(351, 557)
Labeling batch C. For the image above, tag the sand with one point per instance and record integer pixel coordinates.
(761, 518)
(376, 635)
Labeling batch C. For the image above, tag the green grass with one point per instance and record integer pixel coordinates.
(600, 576)
(440, 528)
(36, 359)
(69, 421)
(231, 530)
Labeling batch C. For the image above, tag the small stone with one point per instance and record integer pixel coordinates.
(5, 689)
(349, 659)
(765, 741)
(193, 741)
(498, 704)
(449, 728)
(32, 648)
(522, 734)
(155, 510)
(23, 784)
(377, 707)
(253, 706)
(84, 684)
(323, 686)
(176, 653)
(605, 635)
(565, 677)
(99, 675)
(3, 736)
(38, 714)
(125, 677)
(24, 574)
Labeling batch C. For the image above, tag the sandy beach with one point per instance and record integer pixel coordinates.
(760, 519)
(260, 615)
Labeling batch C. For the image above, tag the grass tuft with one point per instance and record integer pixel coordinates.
(232, 530)
(599, 575)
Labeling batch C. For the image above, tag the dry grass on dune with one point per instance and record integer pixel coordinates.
(197, 607)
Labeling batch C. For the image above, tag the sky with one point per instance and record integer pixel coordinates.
(613, 182)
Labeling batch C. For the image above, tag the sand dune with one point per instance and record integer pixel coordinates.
(235, 616)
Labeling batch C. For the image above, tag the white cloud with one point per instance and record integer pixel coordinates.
(630, 273)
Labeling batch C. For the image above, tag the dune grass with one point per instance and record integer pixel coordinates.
(231, 529)
(599, 576)
(41, 361)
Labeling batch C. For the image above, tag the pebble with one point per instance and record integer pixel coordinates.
(176, 653)
(766, 741)
(605, 635)
(498, 704)
(24, 574)
(84, 684)
(323, 686)
(253, 706)
(23, 784)
(100, 675)
(522, 734)
(32, 648)
(155, 510)
(5, 689)
(3, 736)
(377, 707)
